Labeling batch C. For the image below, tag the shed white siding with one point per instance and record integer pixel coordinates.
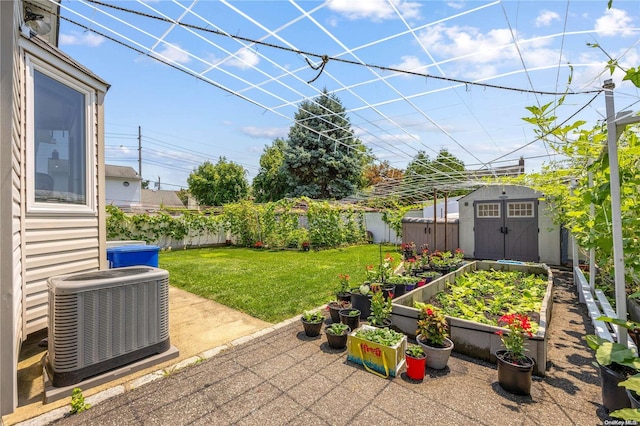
(549, 233)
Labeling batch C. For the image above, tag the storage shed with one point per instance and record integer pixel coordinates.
(441, 234)
(508, 222)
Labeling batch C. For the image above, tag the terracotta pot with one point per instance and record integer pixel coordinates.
(514, 378)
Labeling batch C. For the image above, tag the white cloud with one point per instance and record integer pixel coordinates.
(614, 22)
(375, 10)
(455, 5)
(81, 39)
(269, 133)
(484, 53)
(245, 59)
(174, 53)
(546, 18)
(410, 63)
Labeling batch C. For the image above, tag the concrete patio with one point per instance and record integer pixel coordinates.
(280, 376)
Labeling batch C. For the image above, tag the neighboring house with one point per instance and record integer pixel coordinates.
(122, 187)
(161, 198)
(52, 191)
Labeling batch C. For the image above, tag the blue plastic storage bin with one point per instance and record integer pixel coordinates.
(133, 255)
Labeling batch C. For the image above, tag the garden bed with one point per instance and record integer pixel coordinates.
(473, 338)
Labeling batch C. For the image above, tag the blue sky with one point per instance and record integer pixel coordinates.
(185, 120)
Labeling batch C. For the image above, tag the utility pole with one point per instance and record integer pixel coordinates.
(139, 151)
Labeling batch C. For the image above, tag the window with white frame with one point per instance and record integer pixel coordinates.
(60, 142)
(520, 209)
(488, 210)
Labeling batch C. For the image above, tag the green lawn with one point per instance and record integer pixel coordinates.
(270, 285)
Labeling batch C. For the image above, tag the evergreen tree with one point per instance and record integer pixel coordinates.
(322, 158)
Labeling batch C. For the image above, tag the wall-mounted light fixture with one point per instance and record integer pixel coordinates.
(36, 22)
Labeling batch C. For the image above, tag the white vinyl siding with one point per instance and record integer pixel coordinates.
(11, 134)
(60, 238)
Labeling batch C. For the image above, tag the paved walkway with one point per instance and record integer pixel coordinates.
(286, 378)
(283, 377)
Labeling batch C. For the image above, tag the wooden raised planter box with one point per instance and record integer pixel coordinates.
(471, 338)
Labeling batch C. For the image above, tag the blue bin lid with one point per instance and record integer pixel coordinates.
(132, 248)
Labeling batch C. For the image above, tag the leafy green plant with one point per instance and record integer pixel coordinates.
(344, 284)
(384, 336)
(485, 295)
(353, 313)
(380, 308)
(337, 328)
(415, 351)
(632, 384)
(313, 316)
(78, 404)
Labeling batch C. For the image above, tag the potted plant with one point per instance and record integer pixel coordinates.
(632, 386)
(343, 291)
(361, 300)
(350, 317)
(402, 283)
(408, 250)
(312, 322)
(432, 336)
(416, 362)
(514, 367)
(337, 335)
(430, 276)
(335, 306)
(380, 309)
(616, 363)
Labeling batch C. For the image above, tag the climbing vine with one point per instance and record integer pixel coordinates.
(281, 224)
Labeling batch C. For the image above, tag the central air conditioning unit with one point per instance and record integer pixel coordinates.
(102, 320)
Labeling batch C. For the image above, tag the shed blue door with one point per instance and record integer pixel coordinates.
(506, 229)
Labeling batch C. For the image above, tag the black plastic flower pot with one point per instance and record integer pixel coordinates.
(353, 321)
(312, 329)
(514, 378)
(614, 397)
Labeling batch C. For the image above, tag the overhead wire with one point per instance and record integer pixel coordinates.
(379, 77)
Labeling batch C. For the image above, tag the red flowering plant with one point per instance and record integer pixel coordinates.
(519, 327)
(258, 244)
(382, 272)
(344, 285)
(409, 265)
(432, 325)
(458, 254)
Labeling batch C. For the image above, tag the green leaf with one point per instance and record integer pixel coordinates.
(626, 414)
(633, 75)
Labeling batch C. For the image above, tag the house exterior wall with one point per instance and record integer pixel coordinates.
(548, 235)
(120, 195)
(62, 242)
(11, 307)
